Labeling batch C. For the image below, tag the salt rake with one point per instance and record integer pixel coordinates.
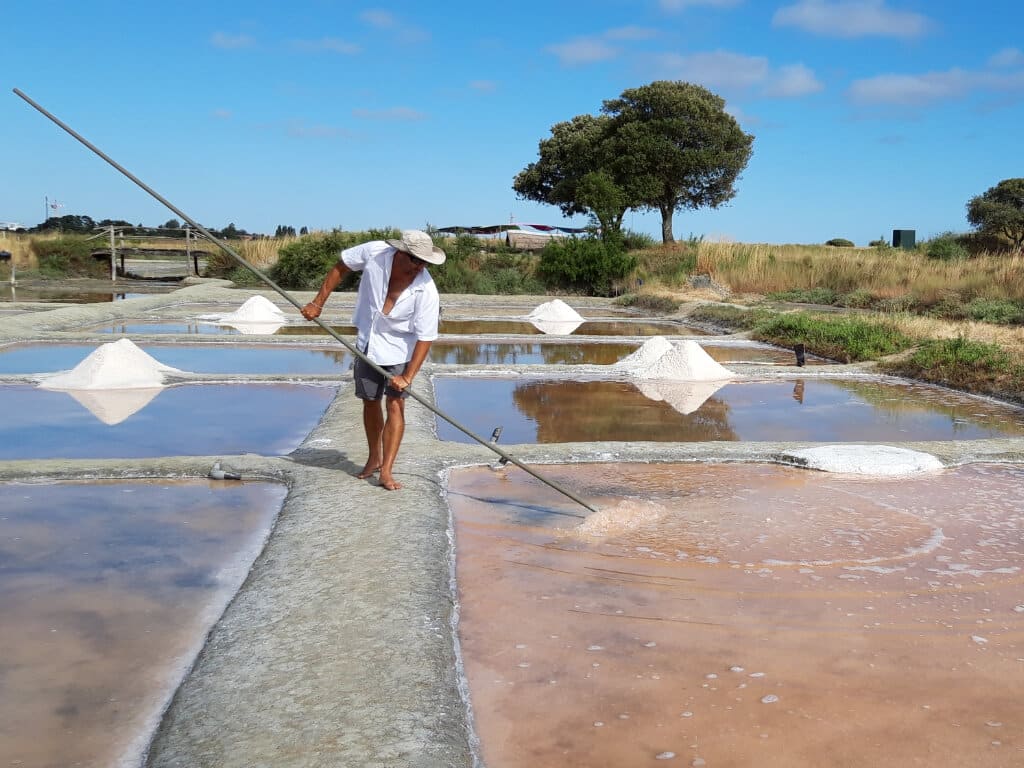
(266, 279)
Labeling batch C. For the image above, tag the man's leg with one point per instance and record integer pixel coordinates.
(373, 423)
(394, 429)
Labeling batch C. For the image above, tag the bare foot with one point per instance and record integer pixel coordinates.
(371, 468)
(388, 482)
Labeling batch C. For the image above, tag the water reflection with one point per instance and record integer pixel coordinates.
(185, 420)
(548, 411)
(490, 353)
(107, 591)
(14, 293)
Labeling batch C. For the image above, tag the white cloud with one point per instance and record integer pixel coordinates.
(326, 44)
(930, 87)
(851, 18)
(583, 50)
(717, 69)
(631, 33)
(1008, 57)
(793, 80)
(378, 18)
(232, 42)
(399, 114)
(678, 5)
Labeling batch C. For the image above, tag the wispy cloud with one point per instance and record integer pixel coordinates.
(594, 48)
(735, 72)
(222, 114)
(484, 86)
(326, 45)
(1008, 57)
(378, 18)
(678, 5)
(232, 42)
(395, 114)
(931, 87)
(583, 50)
(851, 18)
(300, 130)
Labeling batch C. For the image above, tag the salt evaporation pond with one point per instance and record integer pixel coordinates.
(522, 327)
(107, 591)
(742, 615)
(186, 420)
(452, 352)
(817, 410)
(207, 328)
(199, 358)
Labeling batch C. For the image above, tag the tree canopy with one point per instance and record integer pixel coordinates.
(665, 146)
(1000, 211)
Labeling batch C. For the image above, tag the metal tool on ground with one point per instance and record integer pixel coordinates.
(291, 300)
(220, 474)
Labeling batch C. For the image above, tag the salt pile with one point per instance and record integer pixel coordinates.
(118, 365)
(651, 351)
(555, 310)
(881, 460)
(681, 374)
(684, 396)
(258, 315)
(686, 361)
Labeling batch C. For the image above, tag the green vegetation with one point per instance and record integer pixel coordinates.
(840, 242)
(661, 305)
(849, 339)
(969, 365)
(1000, 211)
(665, 146)
(587, 265)
(69, 256)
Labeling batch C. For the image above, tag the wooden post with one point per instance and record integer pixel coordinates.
(113, 256)
(188, 250)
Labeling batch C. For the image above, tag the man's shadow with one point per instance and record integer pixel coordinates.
(325, 458)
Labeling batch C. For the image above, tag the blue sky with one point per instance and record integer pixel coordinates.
(868, 115)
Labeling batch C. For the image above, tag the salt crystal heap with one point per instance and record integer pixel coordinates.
(879, 460)
(681, 374)
(257, 315)
(555, 317)
(118, 365)
(115, 381)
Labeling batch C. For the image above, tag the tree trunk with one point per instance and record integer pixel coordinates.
(666, 224)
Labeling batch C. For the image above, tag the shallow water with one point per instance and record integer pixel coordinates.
(107, 591)
(9, 293)
(198, 358)
(819, 410)
(187, 420)
(743, 615)
(522, 327)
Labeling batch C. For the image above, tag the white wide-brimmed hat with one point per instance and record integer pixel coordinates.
(418, 244)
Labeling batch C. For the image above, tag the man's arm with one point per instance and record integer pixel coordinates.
(419, 355)
(332, 280)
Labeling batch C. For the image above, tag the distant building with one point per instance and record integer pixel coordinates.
(12, 226)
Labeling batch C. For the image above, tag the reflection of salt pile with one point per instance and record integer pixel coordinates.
(627, 515)
(868, 460)
(681, 374)
(555, 317)
(257, 315)
(114, 381)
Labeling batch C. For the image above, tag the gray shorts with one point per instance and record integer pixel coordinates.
(370, 385)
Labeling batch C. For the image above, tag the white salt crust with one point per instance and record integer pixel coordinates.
(118, 365)
(555, 310)
(879, 460)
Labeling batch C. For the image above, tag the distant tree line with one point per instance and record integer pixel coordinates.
(81, 224)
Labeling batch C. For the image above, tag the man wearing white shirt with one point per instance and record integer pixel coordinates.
(396, 317)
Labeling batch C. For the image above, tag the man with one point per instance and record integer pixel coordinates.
(396, 317)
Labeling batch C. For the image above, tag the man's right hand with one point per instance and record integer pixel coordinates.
(312, 311)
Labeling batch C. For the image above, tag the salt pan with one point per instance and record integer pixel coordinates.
(118, 365)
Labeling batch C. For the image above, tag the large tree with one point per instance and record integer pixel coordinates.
(1000, 211)
(572, 172)
(675, 147)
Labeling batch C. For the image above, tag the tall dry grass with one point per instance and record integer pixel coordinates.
(20, 248)
(885, 273)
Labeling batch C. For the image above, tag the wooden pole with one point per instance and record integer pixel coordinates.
(113, 256)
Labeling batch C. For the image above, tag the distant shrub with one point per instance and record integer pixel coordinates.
(69, 257)
(881, 243)
(840, 242)
(946, 247)
(586, 265)
(662, 305)
(636, 241)
(996, 311)
(302, 264)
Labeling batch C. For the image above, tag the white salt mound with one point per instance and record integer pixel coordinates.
(118, 365)
(256, 309)
(556, 327)
(555, 310)
(881, 460)
(685, 361)
(652, 349)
